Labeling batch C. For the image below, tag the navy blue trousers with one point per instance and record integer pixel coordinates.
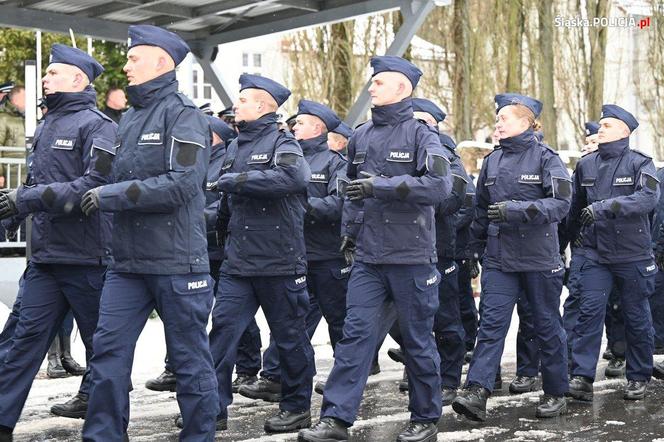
(469, 313)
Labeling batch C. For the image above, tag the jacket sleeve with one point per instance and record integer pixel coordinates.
(288, 174)
(480, 223)
(464, 216)
(188, 144)
(329, 207)
(434, 181)
(97, 155)
(579, 202)
(454, 201)
(352, 212)
(553, 208)
(642, 201)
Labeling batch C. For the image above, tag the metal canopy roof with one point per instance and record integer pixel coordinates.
(209, 22)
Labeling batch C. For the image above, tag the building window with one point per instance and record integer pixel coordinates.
(195, 80)
(245, 59)
(258, 60)
(207, 91)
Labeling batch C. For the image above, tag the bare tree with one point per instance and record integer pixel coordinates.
(463, 129)
(597, 36)
(545, 72)
(515, 25)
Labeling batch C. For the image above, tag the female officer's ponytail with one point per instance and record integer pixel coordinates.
(522, 111)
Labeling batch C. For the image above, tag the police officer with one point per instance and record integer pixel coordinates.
(523, 191)
(264, 180)
(615, 188)
(400, 173)
(327, 271)
(337, 138)
(72, 153)
(159, 243)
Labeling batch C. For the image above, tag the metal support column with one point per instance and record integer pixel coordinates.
(213, 76)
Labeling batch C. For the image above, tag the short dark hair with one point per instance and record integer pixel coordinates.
(15, 90)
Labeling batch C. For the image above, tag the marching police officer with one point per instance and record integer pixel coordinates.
(159, 243)
(615, 188)
(400, 173)
(261, 216)
(72, 153)
(338, 137)
(523, 192)
(327, 272)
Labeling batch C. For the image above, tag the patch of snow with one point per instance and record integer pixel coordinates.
(536, 434)
(474, 434)
(614, 423)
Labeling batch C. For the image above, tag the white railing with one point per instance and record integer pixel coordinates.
(13, 175)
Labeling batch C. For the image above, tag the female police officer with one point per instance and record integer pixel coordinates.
(523, 191)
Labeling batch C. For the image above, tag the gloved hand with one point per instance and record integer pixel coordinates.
(8, 203)
(498, 212)
(11, 234)
(221, 239)
(348, 249)
(587, 216)
(578, 242)
(472, 267)
(361, 188)
(90, 201)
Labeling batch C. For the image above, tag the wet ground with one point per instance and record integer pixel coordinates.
(383, 413)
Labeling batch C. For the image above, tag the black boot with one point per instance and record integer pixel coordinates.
(471, 402)
(74, 408)
(658, 370)
(6, 434)
(396, 354)
(319, 387)
(615, 368)
(163, 382)
(403, 383)
(498, 383)
(449, 394)
(551, 406)
(222, 424)
(328, 429)
(580, 388)
(68, 363)
(243, 379)
(635, 390)
(54, 369)
(263, 389)
(419, 432)
(608, 354)
(523, 384)
(375, 368)
(286, 421)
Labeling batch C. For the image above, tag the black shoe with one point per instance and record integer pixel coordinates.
(467, 357)
(471, 402)
(263, 389)
(68, 363)
(285, 421)
(658, 370)
(449, 394)
(375, 369)
(608, 354)
(6, 434)
(243, 379)
(551, 406)
(163, 382)
(222, 424)
(523, 384)
(396, 354)
(74, 408)
(419, 432)
(615, 368)
(580, 388)
(319, 387)
(635, 390)
(498, 383)
(55, 371)
(403, 383)
(328, 429)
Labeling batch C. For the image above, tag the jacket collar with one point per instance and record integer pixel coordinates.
(392, 114)
(314, 145)
(60, 102)
(613, 148)
(518, 143)
(253, 129)
(144, 94)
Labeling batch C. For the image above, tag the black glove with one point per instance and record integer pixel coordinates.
(11, 234)
(348, 249)
(587, 216)
(221, 239)
(362, 188)
(472, 267)
(578, 241)
(90, 201)
(498, 212)
(8, 203)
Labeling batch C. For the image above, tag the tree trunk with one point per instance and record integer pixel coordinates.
(341, 98)
(515, 23)
(595, 91)
(545, 73)
(461, 92)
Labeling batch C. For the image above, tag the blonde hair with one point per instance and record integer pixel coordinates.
(522, 111)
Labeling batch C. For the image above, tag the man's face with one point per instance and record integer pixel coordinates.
(144, 63)
(61, 77)
(387, 88)
(611, 129)
(117, 99)
(591, 144)
(247, 106)
(307, 127)
(336, 142)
